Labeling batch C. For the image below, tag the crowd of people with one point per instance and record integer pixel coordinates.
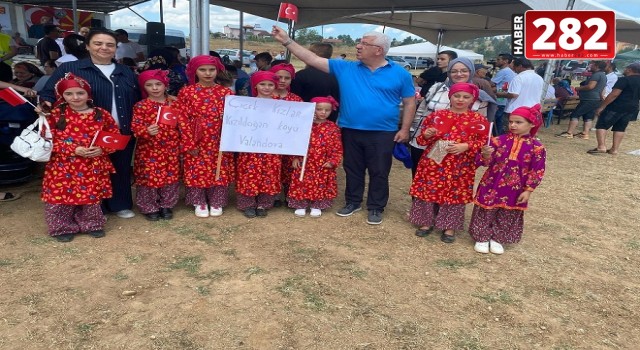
(357, 122)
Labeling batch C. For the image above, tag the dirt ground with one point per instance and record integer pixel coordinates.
(337, 283)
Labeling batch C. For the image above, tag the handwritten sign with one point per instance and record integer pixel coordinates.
(262, 125)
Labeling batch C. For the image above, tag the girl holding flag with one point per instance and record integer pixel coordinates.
(200, 106)
(444, 181)
(77, 177)
(156, 162)
(516, 165)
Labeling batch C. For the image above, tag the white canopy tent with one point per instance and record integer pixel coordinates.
(427, 49)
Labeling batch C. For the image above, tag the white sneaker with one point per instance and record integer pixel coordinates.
(216, 211)
(300, 213)
(495, 247)
(202, 211)
(125, 214)
(481, 247)
(315, 213)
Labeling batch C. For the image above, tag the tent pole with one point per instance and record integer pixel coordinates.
(204, 9)
(194, 28)
(241, 52)
(74, 5)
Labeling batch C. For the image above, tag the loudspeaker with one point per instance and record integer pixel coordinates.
(97, 23)
(155, 36)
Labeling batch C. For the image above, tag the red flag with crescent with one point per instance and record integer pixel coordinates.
(443, 125)
(111, 140)
(480, 127)
(289, 11)
(167, 116)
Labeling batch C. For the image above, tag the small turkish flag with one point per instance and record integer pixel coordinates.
(443, 125)
(167, 116)
(111, 140)
(12, 97)
(481, 128)
(289, 11)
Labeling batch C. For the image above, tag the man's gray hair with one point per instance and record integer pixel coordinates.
(380, 39)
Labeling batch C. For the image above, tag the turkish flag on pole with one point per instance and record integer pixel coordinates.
(481, 128)
(111, 140)
(12, 97)
(289, 11)
(167, 116)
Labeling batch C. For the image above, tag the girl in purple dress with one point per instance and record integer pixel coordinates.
(516, 164)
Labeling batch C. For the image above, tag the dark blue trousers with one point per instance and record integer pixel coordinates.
(367, 152)
(121, 180)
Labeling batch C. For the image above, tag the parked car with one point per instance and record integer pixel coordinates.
(419, 62)
(574, 68)
(234, 54)
(400, 61)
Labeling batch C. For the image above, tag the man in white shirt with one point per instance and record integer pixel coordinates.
(612, 78)
(127, 48)
(525, 89)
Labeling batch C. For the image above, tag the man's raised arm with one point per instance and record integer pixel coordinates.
(302, 53)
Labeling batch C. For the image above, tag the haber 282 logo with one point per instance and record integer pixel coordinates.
(565, 35)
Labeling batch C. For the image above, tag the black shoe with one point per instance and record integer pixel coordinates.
(152, 216)
(374, 217)
(348, 210)
(250, 213)
(166, 213)
(67, 237)
(424, 232)
(261, 212)
(447, 238)
(97, 234)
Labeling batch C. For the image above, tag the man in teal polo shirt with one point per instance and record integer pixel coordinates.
(371, 90)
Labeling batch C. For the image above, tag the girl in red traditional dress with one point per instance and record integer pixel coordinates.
(285, 73)
(319, 185)
(156, 164)
(200, 106)
(76, 178)
(259, 173)
(443, 184)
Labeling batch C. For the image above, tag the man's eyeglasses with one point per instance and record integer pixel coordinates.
(364, 43)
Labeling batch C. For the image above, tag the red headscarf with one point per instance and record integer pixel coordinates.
(284, 66)
(532, 114)
(157, 74)
(70, 81)
(328, 99)
(262, 76)
(202, 60)
(466, 87)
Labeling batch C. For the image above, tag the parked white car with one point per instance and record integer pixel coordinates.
(400, 61)
(234, 54)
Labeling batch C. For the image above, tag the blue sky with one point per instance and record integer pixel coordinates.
(178, 18)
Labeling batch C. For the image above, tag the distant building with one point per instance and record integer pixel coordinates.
(232, 31)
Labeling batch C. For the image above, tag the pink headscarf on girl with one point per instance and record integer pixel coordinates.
(328, 99)
(465, 87)
(202, 60)
(532, 114)
(70, 80)
(284, 66)
(262, 76)
(157, 74)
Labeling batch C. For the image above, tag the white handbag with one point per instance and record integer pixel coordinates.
(31, 144)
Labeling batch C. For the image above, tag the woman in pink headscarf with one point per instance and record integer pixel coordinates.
(443, 184)
(200, 106)
(516, 165)
(156, 162)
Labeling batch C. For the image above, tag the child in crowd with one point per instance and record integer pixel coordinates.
(285, 73)
(516, 165)
(76, 178)
(156, 163)
(259, 173)
(319, 185)
(444, 181)
(200, 106)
